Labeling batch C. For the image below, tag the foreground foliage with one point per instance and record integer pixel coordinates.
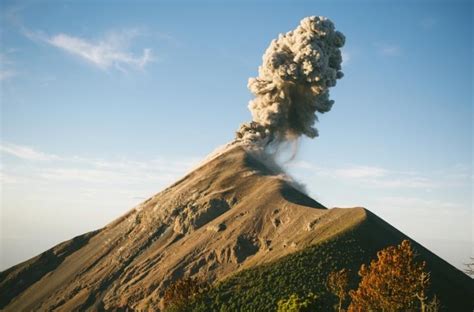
(395, 281)
(296, 303)
(178, 294)
(323, 271)
(261, 288)
(338, 284)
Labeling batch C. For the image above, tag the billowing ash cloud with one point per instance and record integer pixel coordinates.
(293, 83)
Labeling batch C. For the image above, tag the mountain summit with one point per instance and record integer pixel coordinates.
(233, 213)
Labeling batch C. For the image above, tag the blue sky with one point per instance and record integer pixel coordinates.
(105, 103)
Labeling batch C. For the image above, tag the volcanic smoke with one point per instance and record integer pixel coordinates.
(293, 83)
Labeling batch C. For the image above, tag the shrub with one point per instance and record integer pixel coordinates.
(296, 303)
(178, 294)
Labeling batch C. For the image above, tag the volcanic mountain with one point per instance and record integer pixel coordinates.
(232, 216)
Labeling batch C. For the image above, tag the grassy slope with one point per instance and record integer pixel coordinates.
(260, 288)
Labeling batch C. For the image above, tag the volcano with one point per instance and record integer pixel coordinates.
(234, 213)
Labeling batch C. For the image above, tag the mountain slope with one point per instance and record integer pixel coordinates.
(231, 214)
(259, 288)
(213, 221)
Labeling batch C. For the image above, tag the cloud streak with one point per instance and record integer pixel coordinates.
(105, 53)
(378, 177)
(26, 153)
(388, 49)
(361, 172)
(7, 74)
(49, 168)
(346, 57)
(111, 51)
(6, 70)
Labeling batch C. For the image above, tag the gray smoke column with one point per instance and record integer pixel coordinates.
(293, 83)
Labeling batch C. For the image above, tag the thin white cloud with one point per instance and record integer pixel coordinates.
(378, 177)
(361, 172)
(25, 152)
(6, 66)
(7, 74)
(388, 49)
(406, 182)
(53, 168)
(111, 51)
(12, 178)
(113, 173)
(105, 53)
(346, 57)
(417, 204)
(78, 174)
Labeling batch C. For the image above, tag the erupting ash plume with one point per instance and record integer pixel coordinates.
(293, 83)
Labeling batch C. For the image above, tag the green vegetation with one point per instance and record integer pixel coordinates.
(305, 272)
(296, 303)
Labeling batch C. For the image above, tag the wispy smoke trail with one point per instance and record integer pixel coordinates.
(293, 83)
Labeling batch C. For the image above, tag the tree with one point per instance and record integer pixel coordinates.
(393, 282)
(178, 294)
(434, 305)
(424, 282)
(338, 284)
(296, 303)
